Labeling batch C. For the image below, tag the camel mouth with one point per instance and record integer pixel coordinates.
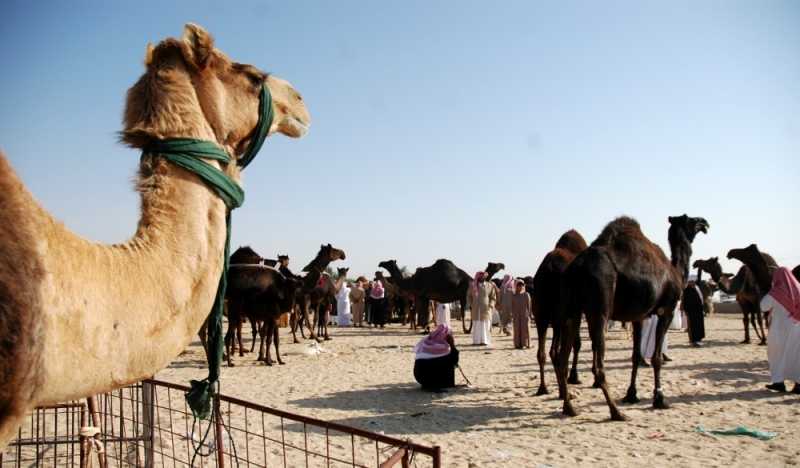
(732, 254)
(702, 227)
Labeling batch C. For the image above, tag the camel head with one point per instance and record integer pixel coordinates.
(331, 253)
(493, 268)
(192, 89)
(687, 226)
(710, 266)
(342, 272)
(390, 266)
(748, 255)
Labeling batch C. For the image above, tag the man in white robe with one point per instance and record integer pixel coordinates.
(343, 306)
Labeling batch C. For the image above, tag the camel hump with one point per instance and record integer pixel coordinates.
(619, 233)
(572, 241)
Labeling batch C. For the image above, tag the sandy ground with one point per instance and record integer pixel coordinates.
(367, 379)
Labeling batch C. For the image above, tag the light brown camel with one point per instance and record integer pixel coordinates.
(624, 276)
(80, 319)
(744, 286)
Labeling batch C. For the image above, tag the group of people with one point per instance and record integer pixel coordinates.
(358, 303)
(515, 309)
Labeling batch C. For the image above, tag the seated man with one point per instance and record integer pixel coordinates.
(435, 360)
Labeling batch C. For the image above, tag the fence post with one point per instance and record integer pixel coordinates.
(148, 416)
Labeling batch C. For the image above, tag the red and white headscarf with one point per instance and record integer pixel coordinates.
(434, 345)
(786, 290)
(377, 290)
(508, 282)
(478, 276)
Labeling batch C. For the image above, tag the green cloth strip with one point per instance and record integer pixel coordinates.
(741, 431)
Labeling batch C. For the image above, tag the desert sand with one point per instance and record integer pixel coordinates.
(365, 380)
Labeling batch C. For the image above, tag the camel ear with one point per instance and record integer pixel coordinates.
(716, 259)
(148, 55)
(198, 44)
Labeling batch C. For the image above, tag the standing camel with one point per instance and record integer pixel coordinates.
(80, 319)
(547, 302)
(762, 265)
(321, 296)
(442, 281)
(744, 286)
(325, 256)
(624, 276)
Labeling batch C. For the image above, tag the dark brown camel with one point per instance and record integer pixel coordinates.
(325, 256)
(321, 297)
(707, 290)
(624, 276)
(547, 300)
(268, 307)
(442, 281)
(744, 286)
(258, 290)
(762, 265)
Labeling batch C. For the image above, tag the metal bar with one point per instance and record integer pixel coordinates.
(218, 429)
(396, 457)
(148, 413)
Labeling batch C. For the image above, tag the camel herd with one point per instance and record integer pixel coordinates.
(80, 319)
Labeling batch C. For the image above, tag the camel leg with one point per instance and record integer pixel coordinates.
(309, 325)
(746, 321)
(262, 349)
(760, 317)
(541, 331)
(229, 343)
(636, 357)
(576, 348)
(269, 328)
(659, 402)
(598, 334)
(254, 331)
(561, 358)
(239, 329)
(277, 343)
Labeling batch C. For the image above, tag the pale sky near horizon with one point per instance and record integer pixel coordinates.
(470, 130)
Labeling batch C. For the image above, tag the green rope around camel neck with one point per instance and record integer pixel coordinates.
(185, 152)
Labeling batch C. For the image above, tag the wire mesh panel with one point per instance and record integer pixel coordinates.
(50, 436)
(150, 425)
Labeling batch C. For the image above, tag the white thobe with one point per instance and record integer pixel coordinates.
(442, 314)
(343, 306)
(649, 338)
(783, 342)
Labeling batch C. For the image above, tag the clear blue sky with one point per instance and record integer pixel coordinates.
(473, 130)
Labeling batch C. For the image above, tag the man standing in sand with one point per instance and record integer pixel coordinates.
(481, 299)
(692, 304)
(357, 304)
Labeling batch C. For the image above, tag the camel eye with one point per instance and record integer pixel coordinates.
(256, 81)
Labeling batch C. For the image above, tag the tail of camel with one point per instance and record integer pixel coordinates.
(80, 319)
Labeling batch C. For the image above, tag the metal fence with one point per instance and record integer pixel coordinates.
(150, 425)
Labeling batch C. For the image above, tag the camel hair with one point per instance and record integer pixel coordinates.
(624, 276)
(707, 290)
(325, 256)
(547, 300)
(762, 266)
(442, 282)
(744, 286)
(79, 318)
